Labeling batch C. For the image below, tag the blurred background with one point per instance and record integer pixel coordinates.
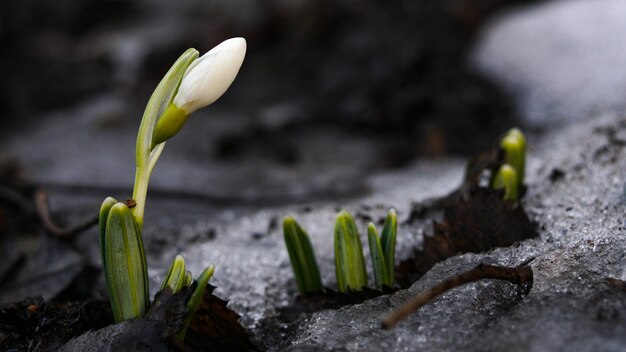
(330, 91)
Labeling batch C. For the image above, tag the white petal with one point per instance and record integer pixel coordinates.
(209, 77)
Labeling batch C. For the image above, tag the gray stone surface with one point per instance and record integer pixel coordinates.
(570, 307)
(253, 270)
(562, 60)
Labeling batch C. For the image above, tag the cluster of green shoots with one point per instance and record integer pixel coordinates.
(190, 84)
(510, 176)
(349, 261)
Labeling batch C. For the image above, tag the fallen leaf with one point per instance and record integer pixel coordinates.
(479, 221)
(215, 327)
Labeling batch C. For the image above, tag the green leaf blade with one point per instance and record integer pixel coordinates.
(125, 268)
(349, 261)
(159, 101)
(378, 258)
(105, 208)
(176, 276)
(196, 298)
(388, 243)
(302, 257)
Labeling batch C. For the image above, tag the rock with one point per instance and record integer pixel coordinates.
(570, 307)
(562, 60)
(38, 266)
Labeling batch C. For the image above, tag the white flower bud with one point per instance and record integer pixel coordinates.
(207, 78)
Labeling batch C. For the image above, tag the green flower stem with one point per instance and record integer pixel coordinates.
(140, 191)
(148, 152)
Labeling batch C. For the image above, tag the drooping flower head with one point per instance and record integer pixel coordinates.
(204, 81)
(209, 77)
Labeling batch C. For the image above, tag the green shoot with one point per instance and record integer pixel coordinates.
(302, 257)
(176, 277)
(514, 146)
(124, 262)
(382, 250)
(507, 178)
(378, 258)
(349, 262)
(196, 297)
(188, 278)
(388, 242)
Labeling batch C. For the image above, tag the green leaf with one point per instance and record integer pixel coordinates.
(125, 265)
(105, 208)
(378, 258)
(196, 297)
(302, 257)
(176, 276)
(388, 243)
(349, 261)
(507, 178)
(161, 98)
(188, 278)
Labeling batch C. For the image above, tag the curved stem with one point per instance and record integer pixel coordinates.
(140, 190)
(142, 179)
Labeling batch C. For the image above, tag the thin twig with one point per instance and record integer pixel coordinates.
(522, 276)
(43, 211)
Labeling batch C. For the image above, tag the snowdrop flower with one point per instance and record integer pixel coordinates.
(209, 77)
(205, 80)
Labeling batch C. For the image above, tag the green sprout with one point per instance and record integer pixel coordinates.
(124, 261)
(382, 250)
(506, 178)
(177, 277)
(302, 257)
(196, 298)
(510, 176)
(190, 84)
(349, 262)
(514, 146)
